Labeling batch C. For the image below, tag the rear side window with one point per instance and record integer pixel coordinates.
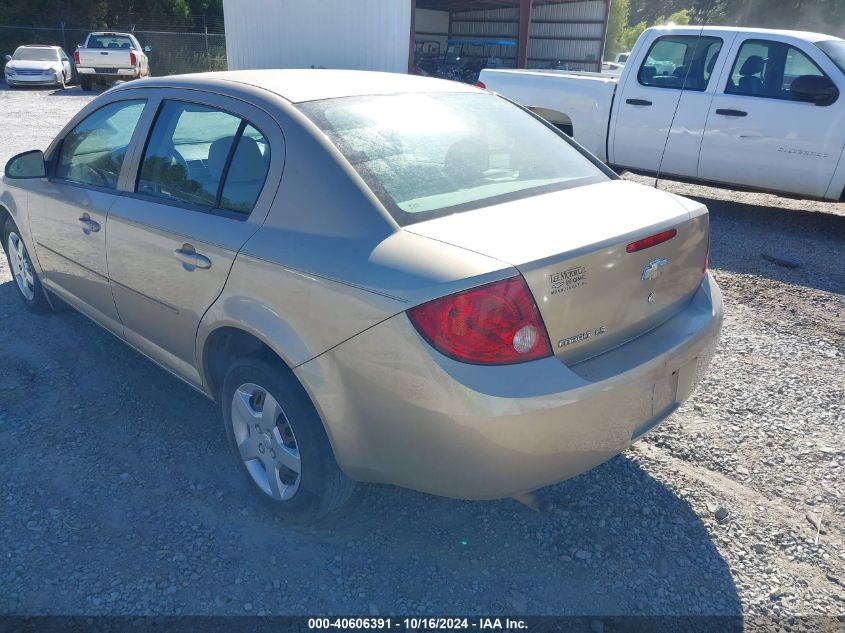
(766, 69)
(680, 62)
(93, 152)
(204, 157)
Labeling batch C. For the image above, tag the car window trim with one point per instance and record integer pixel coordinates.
(683, 85)
(225, 173)
(56, 154)
(216, 209)
(791, 99)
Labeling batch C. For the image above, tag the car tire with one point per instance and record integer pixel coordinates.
(278, 439)
(25, 278)
(85, 83)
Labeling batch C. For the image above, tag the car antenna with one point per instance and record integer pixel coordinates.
(677, 106)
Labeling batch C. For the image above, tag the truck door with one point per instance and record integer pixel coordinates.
(664, 102)
(759, 134)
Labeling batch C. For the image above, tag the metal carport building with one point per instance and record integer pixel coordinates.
(384, 34)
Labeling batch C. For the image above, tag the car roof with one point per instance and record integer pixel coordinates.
(47, 46)
(300, 85)
(803, 35)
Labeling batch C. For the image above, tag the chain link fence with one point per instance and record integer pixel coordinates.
(172, 51)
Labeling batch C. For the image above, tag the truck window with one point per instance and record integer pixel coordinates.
(110, 42)
(766, 69)
(680, 62)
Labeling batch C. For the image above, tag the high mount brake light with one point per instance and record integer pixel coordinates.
(494, 324)
(651, 240)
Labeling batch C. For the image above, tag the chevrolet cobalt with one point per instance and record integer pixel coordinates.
(379, 277)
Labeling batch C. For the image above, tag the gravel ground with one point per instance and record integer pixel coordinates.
(118, 495)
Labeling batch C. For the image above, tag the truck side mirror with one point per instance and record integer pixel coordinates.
(816, 89)
(27, 165)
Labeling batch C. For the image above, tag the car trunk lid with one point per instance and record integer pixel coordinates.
(571, 248)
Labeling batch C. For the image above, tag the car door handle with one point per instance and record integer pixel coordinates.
(188, 256)
(731, 112)
(638, 102)
(88, 225)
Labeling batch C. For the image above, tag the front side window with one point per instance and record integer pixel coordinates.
(203, 156)
(428, 155)
(680, 62)
(93, 152)
(765, 68)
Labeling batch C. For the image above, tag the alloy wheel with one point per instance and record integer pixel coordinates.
(21, 266)
(266, 442)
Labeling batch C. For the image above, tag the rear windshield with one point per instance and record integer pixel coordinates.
(36, 55)
(109, 41)
(835, 49)
(429, 155)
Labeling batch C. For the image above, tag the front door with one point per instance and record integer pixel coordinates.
(70, 209)
(671, 91)
(173, 239)
(760, 135)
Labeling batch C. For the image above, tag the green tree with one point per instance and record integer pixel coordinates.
(617, 22)
(632, 34)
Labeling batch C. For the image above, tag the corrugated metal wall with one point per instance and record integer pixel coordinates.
(571, 33)
(568, 35)
(364, 34)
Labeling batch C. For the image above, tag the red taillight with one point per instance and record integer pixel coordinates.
(75, 57)
(651, 240)
(495, 324)
(132, 58)
(480, 84)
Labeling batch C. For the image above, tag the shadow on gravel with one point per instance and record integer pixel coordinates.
(120, 497)
(743, 233)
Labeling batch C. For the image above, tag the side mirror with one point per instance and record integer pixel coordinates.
(8, 58)
(65, 59)
(815, 89)
(27, 165)
(147, 48)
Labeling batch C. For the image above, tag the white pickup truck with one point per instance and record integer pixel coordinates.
(753, 108)
(106, 57)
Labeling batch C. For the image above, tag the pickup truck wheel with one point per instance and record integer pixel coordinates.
(278, 438)
(85, 83)
(20, 265)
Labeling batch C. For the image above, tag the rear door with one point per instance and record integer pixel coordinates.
(664, 102)
(759, 135)
(69, 209)
(201, 188)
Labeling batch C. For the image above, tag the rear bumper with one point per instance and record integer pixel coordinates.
(398, 412)
(120, 73)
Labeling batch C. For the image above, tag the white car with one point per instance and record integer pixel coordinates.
(753, 108)
(38, 66)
